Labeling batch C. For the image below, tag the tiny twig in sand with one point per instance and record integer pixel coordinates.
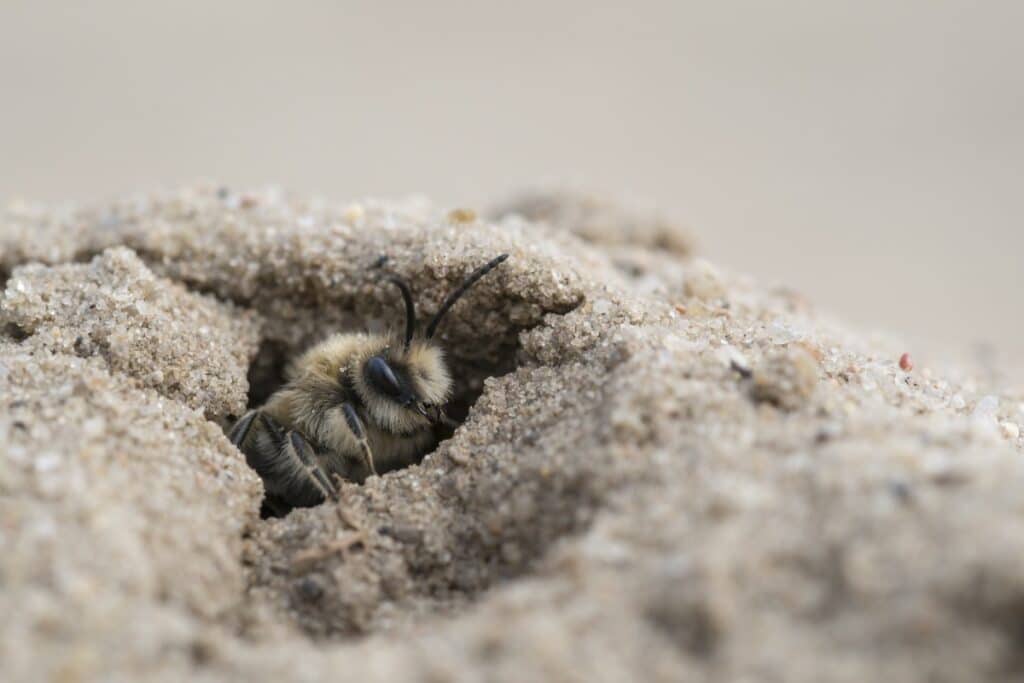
(304, 560)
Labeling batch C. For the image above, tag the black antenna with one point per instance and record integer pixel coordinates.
(410, 309)
(461, 289)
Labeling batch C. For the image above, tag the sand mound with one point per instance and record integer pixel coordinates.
(666, 472)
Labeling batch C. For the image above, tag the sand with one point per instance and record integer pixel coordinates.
(666, 471)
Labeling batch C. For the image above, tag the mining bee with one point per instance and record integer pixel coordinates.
(354, 405)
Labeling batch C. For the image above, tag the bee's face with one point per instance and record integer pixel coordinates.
(414, 379)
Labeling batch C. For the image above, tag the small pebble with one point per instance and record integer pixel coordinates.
(730, 356)
(703, 282)
(786, 379)
(354, 213)
(906, 362)
(462, 215)
(1010, 430)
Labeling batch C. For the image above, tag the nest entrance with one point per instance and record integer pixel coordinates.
(267, 374)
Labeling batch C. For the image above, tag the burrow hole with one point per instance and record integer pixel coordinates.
(267, 374)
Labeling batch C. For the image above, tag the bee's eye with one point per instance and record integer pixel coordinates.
(383, 378)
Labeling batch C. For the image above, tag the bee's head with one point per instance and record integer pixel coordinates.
(410, 376)
(413, 378)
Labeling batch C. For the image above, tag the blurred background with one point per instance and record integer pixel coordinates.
(869, 154)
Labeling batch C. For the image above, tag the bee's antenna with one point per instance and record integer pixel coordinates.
(460, 290)
(410, 309)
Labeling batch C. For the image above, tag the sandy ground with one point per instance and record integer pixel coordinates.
(666, 472)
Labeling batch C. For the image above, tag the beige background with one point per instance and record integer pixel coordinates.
(870, 154)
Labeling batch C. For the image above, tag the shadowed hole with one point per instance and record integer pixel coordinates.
(16, 332)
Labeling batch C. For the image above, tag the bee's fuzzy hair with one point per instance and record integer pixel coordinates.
(430, 372)
(348, 354)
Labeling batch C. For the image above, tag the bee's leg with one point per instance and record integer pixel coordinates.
(305, 453)
(271, 426)
(440, 417)
(286, 464)
(356, 427)
(241, 429)
(274, 506)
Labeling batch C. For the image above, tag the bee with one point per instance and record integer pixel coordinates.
(353, 406)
